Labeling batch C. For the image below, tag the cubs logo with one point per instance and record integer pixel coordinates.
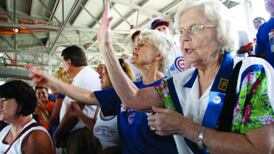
(179, 63)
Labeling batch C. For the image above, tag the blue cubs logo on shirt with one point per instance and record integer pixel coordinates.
(179, 64)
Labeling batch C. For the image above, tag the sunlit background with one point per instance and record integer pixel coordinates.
(243, 14)
(242, 18)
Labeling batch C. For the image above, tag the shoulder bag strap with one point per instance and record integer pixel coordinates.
(225, 120)
(20, 134)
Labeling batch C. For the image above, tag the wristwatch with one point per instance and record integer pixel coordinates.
(200, 141)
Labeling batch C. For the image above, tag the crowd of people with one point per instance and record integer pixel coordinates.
(192, 95)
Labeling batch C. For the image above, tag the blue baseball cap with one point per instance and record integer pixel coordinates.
(159, 22)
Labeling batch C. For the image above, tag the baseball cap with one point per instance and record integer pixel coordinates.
(158, 22)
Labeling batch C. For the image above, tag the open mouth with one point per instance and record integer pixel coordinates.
(188, 50)
(134, 54)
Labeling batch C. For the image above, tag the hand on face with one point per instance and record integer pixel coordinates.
(103, 34)
(165, 121)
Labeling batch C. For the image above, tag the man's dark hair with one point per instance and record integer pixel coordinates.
(76, 55)
(22, 93)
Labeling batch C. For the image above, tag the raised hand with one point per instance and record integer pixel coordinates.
(103, 34)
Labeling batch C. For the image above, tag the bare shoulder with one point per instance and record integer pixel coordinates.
(38, 141)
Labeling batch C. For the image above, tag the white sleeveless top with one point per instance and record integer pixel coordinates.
(106, 130)
(16, 147)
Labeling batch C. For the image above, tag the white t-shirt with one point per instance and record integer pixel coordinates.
(87, 78)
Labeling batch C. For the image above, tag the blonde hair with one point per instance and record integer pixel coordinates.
(61, 74)
(125, 67)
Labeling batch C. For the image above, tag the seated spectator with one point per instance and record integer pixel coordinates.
(23, 134)
(44, 106)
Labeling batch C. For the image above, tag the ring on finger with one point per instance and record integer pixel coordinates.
(153, 128)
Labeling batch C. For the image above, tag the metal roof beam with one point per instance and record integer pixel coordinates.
(90, 14)
(120, 21)
(130, 13)
(74, 6)
(42, 45)
(124, 19)
(29, 26)
(52, 13)
(52, 27)
(10, 51)
(163, 10)
(48, 10)
(32, 7)
(15, 73)
(139, 7)
(9, 44)
(6, 13)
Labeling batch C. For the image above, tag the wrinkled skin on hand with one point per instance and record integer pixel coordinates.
(166, 121)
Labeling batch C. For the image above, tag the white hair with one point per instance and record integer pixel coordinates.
(216, 12)
(163, 44)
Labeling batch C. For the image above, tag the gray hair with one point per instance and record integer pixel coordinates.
(163, 44)
(216, 12)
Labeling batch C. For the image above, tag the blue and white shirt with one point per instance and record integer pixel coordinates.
(135, 134)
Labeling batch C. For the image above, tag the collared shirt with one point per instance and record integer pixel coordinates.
(253, 71)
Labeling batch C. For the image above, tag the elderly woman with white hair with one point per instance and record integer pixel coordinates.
(152, 57)
(217, 111)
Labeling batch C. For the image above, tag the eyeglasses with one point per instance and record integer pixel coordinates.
(194, 29)
(142, 43)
